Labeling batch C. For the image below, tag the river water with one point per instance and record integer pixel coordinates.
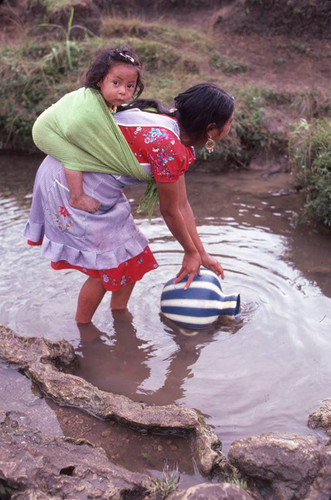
(265, 371)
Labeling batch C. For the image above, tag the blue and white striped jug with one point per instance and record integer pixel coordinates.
(201, 304)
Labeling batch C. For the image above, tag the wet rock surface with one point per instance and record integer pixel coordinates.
(41, 360)
(322, 418)
(321, 487)
(224, 491)
(34, 465)
(284, 466)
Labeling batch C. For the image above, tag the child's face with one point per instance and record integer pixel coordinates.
(119, 84)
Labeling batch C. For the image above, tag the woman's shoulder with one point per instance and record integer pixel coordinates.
(137, 118)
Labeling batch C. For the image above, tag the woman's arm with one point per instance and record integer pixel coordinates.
(169, 196)
(207, 260)
(179, 218)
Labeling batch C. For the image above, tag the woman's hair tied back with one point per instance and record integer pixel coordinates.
(203, 104)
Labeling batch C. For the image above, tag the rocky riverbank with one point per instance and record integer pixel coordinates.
(36, 466)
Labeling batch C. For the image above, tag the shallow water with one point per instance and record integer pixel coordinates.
(265, 371)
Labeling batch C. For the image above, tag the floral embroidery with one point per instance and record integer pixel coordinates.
(161, 148)
(60, 218)
(125, 280)
(63, 211)
(107, 278)
(156, 133)
(125, 273)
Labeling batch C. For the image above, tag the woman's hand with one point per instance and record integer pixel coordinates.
(211, 263)
(190, 266)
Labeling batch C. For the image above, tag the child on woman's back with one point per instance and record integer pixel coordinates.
(116, 74)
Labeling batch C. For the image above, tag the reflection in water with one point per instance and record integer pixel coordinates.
(189, 345)
(136, 451)
(266, 371)
(118, 363)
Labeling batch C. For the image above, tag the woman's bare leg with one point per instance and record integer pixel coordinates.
(89, 298)
(120, 298)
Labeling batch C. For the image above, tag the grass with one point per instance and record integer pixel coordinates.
(167, 484)
(70, 45)
(310, 158)
(241, 483)
(228, 66)
(33, 76)
(250, 126)
(51, 6)
(311, 104)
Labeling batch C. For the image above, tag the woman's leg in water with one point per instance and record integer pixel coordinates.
(91, 295)
(120, 298)
(89, 298)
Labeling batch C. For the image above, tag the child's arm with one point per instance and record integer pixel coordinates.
(78, 199)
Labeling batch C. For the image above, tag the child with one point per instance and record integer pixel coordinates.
(116, 74)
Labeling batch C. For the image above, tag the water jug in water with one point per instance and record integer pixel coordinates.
(201, 304)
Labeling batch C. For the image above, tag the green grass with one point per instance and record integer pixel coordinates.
(50, 6)
(310, 158)
(167, 484)
(228, 66)
(312, 104)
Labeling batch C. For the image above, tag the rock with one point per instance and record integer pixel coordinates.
(35, 466)
(289, 463)
(222, 491)
(321, 417)
(321, 487)
(41, 360)
(31, 495)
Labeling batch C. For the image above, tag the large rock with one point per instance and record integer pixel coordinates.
(42, 361)
(34, 466)
(288, 463)
(321, 487)
(322, 418)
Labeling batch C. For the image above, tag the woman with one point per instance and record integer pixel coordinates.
(107, 245)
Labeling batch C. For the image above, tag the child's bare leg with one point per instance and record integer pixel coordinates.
(89, 298)
(78, 199)
(120, 298)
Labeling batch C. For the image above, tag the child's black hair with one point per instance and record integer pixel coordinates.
(196, 108)
(105, 60)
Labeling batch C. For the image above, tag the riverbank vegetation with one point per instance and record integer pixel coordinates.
(310, 158)
(55, 41)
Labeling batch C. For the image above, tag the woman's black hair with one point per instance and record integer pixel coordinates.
(202, 105)
(105, 60)
(196, 108)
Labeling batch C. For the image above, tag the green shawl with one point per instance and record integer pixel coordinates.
(80, 131)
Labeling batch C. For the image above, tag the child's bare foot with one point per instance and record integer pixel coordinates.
(85, 202)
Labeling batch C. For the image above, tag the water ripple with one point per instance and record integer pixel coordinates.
(264, 371)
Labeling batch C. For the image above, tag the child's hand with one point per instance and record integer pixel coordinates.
(85, 203)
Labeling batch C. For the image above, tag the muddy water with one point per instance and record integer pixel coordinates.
(265, 371)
